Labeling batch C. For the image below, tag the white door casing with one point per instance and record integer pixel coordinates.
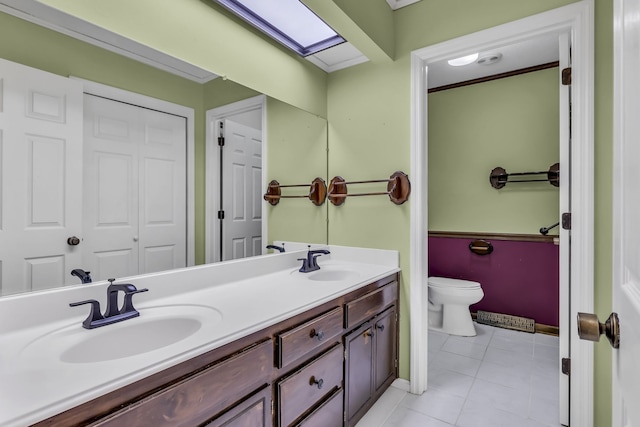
(626, 213)
(134, 189)
(41, 178)
(577, 20)
(241, 191)
(564, 44)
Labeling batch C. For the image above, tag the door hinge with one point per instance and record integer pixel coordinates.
(272, 407)
(566, 220)
(395, 363)
(220, 214)
(221, 135)
(566, 366)
(566, 76)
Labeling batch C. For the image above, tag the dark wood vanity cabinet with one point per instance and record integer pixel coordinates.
(321, 368)
(371, 353)
(254, 411)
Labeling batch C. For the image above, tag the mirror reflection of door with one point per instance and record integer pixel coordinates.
(134, 189)
(241, 195)
(40, 178)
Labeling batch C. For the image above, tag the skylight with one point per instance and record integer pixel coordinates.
(288, 21)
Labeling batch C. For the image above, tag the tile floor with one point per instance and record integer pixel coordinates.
(499, 378)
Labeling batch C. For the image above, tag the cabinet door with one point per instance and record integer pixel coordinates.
(384, 349)
(253, 412)
(358, 369)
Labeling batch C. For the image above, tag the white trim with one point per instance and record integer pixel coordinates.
(564, 45)
(577, 18)
(167, 107)
(212, 183)
(397, 4)
(56, 20)
(330, 68)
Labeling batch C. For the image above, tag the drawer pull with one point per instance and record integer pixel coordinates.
(318, 334)
(380, 327)
(314, 381)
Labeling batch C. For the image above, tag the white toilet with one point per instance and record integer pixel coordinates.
(449, 301)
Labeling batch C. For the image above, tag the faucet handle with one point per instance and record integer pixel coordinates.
(94, 315)
(127, 307)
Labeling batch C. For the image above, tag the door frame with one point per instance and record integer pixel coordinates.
(212, 180)
(121, 95)
(577, 20)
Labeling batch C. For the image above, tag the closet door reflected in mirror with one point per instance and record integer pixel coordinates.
(134, 189)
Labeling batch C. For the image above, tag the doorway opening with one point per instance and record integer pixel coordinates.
(577, 20)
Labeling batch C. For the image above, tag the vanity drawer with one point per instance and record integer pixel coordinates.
(367, 306)
(199, 397)
(300, 391)
(300, 340)
(329, 414)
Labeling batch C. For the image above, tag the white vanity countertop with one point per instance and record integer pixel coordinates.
(231, 299)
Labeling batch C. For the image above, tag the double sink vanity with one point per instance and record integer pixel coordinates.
(252, 342)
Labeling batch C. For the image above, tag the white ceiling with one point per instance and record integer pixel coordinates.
(541, 50)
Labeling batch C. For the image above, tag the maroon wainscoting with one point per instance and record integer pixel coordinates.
(519, 278)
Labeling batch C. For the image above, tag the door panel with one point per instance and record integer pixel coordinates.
(242, 191)
(626, 277)
(40, 179)
(110, 188)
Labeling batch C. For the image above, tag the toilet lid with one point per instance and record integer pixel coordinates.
(445, 282)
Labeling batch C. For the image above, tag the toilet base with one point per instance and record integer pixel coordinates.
(452, 320)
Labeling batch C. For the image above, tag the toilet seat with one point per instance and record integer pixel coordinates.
(445, 282)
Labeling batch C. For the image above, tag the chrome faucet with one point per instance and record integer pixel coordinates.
(310, 263)
(113, 313)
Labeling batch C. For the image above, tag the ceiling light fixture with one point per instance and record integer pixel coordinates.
(489, 58)
(465, 60)
(288, 21)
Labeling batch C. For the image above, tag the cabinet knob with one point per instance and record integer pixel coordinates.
(314, 381)
(380, 327)
(368, 333)
(317, 334)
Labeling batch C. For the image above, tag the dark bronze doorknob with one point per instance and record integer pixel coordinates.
(73, 241)
(590, 328)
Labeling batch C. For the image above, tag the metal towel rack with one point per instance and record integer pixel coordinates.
(499, 177)
(398, 189)
(317, 192)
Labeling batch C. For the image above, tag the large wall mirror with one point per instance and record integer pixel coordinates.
(135, 180)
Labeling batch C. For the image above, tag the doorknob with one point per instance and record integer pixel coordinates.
(73, 241)
(590, 328)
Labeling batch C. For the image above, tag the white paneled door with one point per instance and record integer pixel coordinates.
(626, 213)
(134, 189)
(40, 179)
(241, 191)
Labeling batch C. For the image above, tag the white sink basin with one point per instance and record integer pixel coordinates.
(332, 275)
(155, 328)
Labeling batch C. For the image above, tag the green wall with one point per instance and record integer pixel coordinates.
(512, 123)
